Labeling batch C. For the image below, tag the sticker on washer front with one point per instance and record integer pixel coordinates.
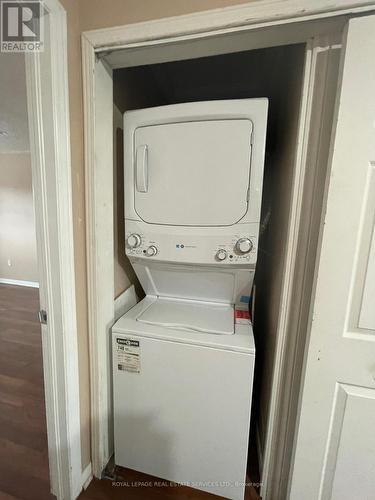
(128, 355)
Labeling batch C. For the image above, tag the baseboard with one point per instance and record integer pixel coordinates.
(31, 284)
(87, 476)
(259, 450)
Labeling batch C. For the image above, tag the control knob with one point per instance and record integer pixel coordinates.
(133, 241)
(151, 251)
(221, 254)
(244, 245)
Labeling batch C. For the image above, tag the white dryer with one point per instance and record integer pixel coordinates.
(183, 357)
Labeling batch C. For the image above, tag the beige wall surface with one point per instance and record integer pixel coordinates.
(102, 14)
(84, 15)
(18, 260)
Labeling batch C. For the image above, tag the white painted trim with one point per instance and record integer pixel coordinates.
(251, 16)
(235, 40)
(31, 284)
(316, 137)
(298, 265)
(48, 112)
(281, 357)
(257, 14)
(93, 293)
(87, 477)
(100, 250)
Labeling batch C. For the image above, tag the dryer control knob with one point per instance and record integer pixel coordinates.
(133, 241)
(151, 251)
(221, 254)
(244, 245)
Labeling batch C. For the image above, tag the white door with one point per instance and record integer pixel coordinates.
(335, 445)
(184, 172)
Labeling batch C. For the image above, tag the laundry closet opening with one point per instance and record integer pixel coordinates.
(277, 74)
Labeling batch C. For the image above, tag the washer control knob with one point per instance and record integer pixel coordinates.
(151, 251)
(221, 254)
(244, 245)
(134, 241)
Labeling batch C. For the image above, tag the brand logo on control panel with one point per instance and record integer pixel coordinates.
(182, 246)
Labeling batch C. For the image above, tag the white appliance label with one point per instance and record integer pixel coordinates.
(128, 355)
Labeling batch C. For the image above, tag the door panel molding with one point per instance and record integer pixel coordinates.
(361, 318)
(346, 397)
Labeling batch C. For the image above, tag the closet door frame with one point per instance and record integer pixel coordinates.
(249, 26)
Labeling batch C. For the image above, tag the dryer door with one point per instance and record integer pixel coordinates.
(193, 173)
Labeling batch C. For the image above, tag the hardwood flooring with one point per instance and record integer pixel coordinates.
(131, 485)
(24, 470)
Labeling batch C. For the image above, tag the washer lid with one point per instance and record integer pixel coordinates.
(189, 316)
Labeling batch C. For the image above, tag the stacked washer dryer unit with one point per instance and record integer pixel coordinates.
(183, 357)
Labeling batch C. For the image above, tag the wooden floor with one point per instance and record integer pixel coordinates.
(23, 439)
(131, 485)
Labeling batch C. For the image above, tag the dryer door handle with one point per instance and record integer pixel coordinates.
(142, 169)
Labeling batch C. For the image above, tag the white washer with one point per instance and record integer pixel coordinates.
(183, 398)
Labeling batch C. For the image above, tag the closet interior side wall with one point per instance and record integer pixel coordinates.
(277, 193)
(275, 73)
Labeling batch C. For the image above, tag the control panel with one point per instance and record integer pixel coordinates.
(223, 246)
